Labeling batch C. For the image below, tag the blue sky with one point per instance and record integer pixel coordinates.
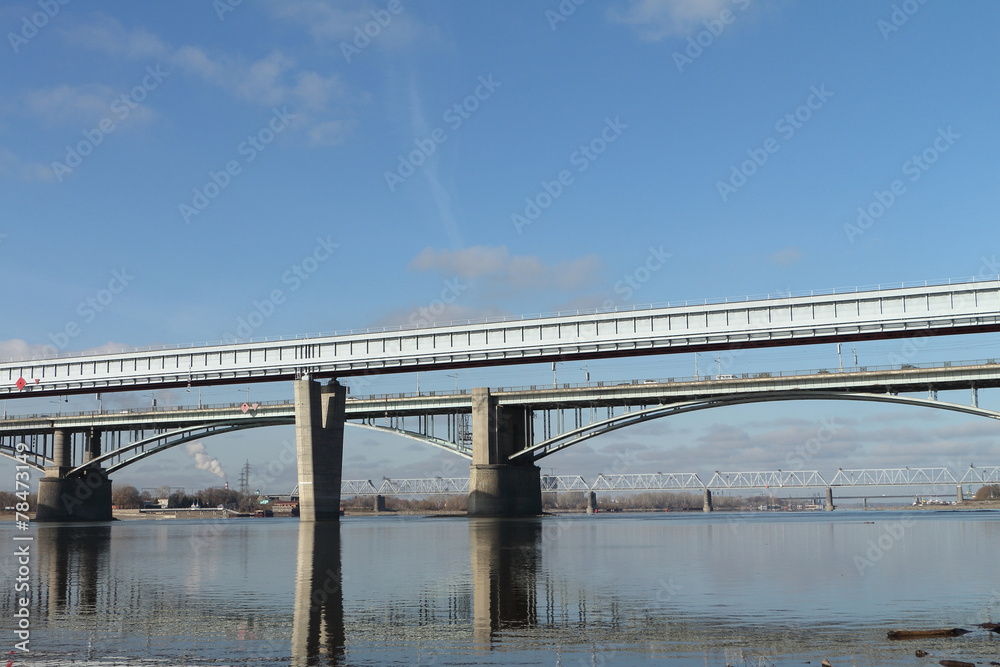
(168, 171)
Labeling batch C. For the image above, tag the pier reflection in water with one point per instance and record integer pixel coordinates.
(318, 622)
(504, 562)
(71, 561)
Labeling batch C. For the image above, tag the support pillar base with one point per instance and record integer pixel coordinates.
(83, 497)
(504, 490)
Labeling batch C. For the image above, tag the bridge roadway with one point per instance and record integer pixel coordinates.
(563, 416)
(920, 310)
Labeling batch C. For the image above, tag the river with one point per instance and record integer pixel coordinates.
(610, 589)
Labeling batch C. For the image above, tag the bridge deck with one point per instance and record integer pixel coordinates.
(897, 379)
(967, 307)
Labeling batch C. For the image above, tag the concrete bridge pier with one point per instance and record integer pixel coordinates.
(959, 496)
(498, 487)
(83, 496)
(829, 499)
(379, 503)
(319, 443)
(707, 505)
(92, 448)
(591, 502)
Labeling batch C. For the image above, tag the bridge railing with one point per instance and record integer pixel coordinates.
(752, 375)
(515, 318)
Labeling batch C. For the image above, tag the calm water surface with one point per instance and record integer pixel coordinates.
(678, 589)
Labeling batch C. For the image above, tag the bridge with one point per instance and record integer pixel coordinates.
(496, 429)
(689, 481)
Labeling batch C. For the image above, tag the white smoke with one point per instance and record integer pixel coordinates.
(202, 460)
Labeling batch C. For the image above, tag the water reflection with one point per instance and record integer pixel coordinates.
(73, 557)
(318, 623)
(505, 558)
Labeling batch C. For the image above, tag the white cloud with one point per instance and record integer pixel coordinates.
(510, 273)
(11, 166)
(656, 19)
(273, 80)
(19, 349)
(107, 35)
(438, 312)
(83, 106)
(787, 256)
(333, 23)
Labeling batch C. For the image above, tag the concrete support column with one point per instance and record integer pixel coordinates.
(707, 504)
(379, 503)
(591, 502)
(959, 496)
(498, 487)
(61, 450)
(829, 499)
(92, 450)
(319, 443)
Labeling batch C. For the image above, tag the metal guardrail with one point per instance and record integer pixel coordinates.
(516, 318)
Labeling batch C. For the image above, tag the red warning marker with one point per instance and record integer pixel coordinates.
(20, 383)
(254, 406)
(244, 408)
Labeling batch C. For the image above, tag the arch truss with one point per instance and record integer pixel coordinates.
(594, 429)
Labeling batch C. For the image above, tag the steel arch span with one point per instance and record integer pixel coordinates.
(559, 442)
(163, 441)
(31, 458)
(446, 445)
